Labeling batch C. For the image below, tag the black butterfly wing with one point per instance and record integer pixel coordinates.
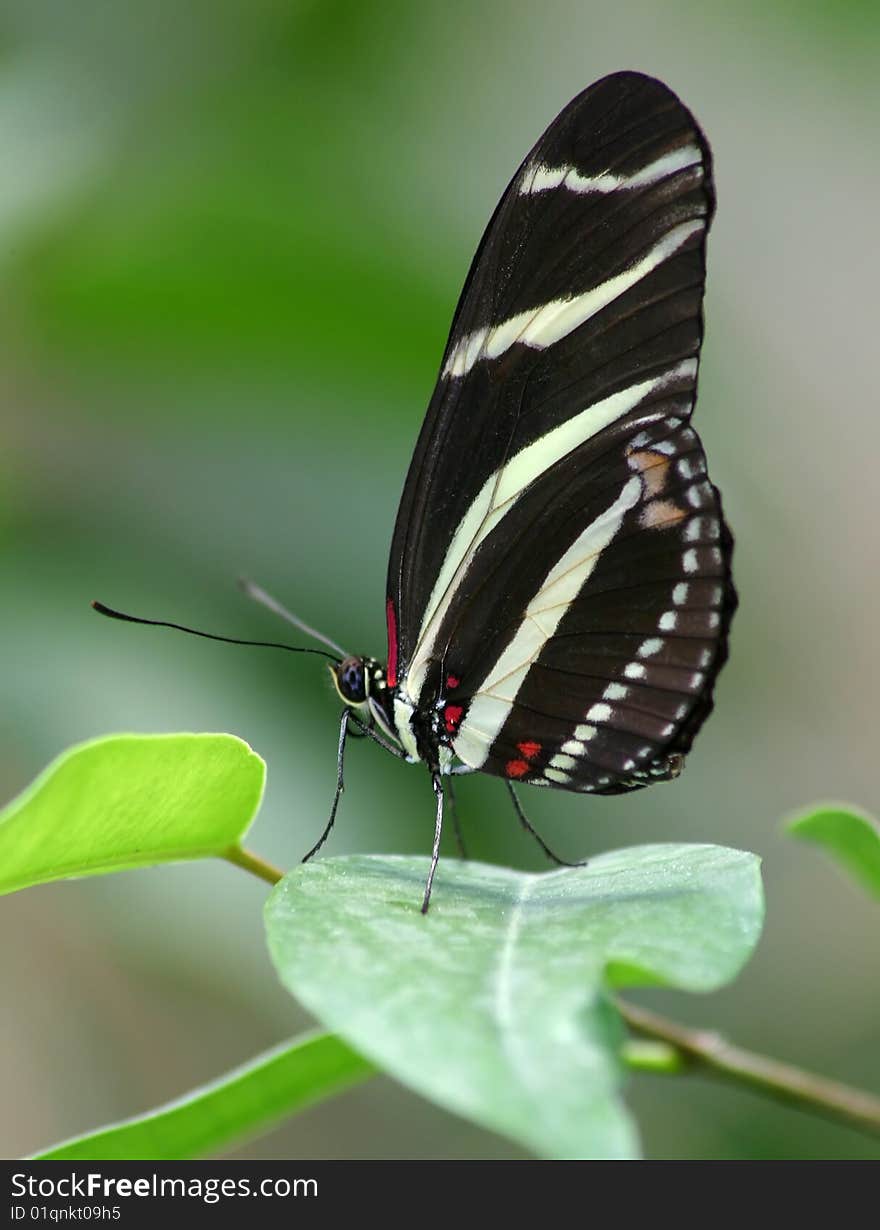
(577, 331)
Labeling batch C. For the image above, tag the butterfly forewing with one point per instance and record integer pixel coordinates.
(559, 574)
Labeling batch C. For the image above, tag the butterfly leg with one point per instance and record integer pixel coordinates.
(456, 823)
(367, 730)
(438, 829)
(524, 821)
(340, 784)
(349, 725)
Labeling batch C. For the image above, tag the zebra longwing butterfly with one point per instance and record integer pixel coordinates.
(559, 588)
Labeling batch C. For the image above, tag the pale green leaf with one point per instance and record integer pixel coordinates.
(496, 1004)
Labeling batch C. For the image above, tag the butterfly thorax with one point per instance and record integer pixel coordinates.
(362, 683)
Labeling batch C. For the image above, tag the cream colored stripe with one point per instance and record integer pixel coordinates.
(541, 327)
(497, 693)
(542, 178)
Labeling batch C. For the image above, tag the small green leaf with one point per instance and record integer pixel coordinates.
(130, 801)
(496, 1004)
(244, 1102)
(849, 834)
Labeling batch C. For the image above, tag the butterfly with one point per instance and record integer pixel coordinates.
(559, 587)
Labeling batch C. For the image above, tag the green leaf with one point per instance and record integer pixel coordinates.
(849, 834)
(496, 1004)
(246, 1101)
(130, 801)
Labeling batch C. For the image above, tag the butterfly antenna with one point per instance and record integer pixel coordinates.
(208, 636)
(272, 604)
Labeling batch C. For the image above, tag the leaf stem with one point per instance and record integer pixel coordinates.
(704, 1049)
(251, 862)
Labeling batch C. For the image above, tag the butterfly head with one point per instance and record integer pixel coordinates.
(351, 680)
(362, 684)
(358, 679)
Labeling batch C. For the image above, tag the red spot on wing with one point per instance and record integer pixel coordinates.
(452, 681)
(452, 717)
(391, 617)
(530, 749)
(516, 768)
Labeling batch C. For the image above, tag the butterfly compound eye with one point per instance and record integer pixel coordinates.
(351, 680)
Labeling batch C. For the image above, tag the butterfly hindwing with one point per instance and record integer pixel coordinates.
(602, 677)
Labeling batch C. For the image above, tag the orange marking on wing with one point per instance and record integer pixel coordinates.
(659, 513)
(530, 749)
(654, 469)
(516, 768)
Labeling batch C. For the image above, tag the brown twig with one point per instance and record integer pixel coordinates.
(704, 1049)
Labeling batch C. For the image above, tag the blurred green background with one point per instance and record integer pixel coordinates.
(232, 235)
